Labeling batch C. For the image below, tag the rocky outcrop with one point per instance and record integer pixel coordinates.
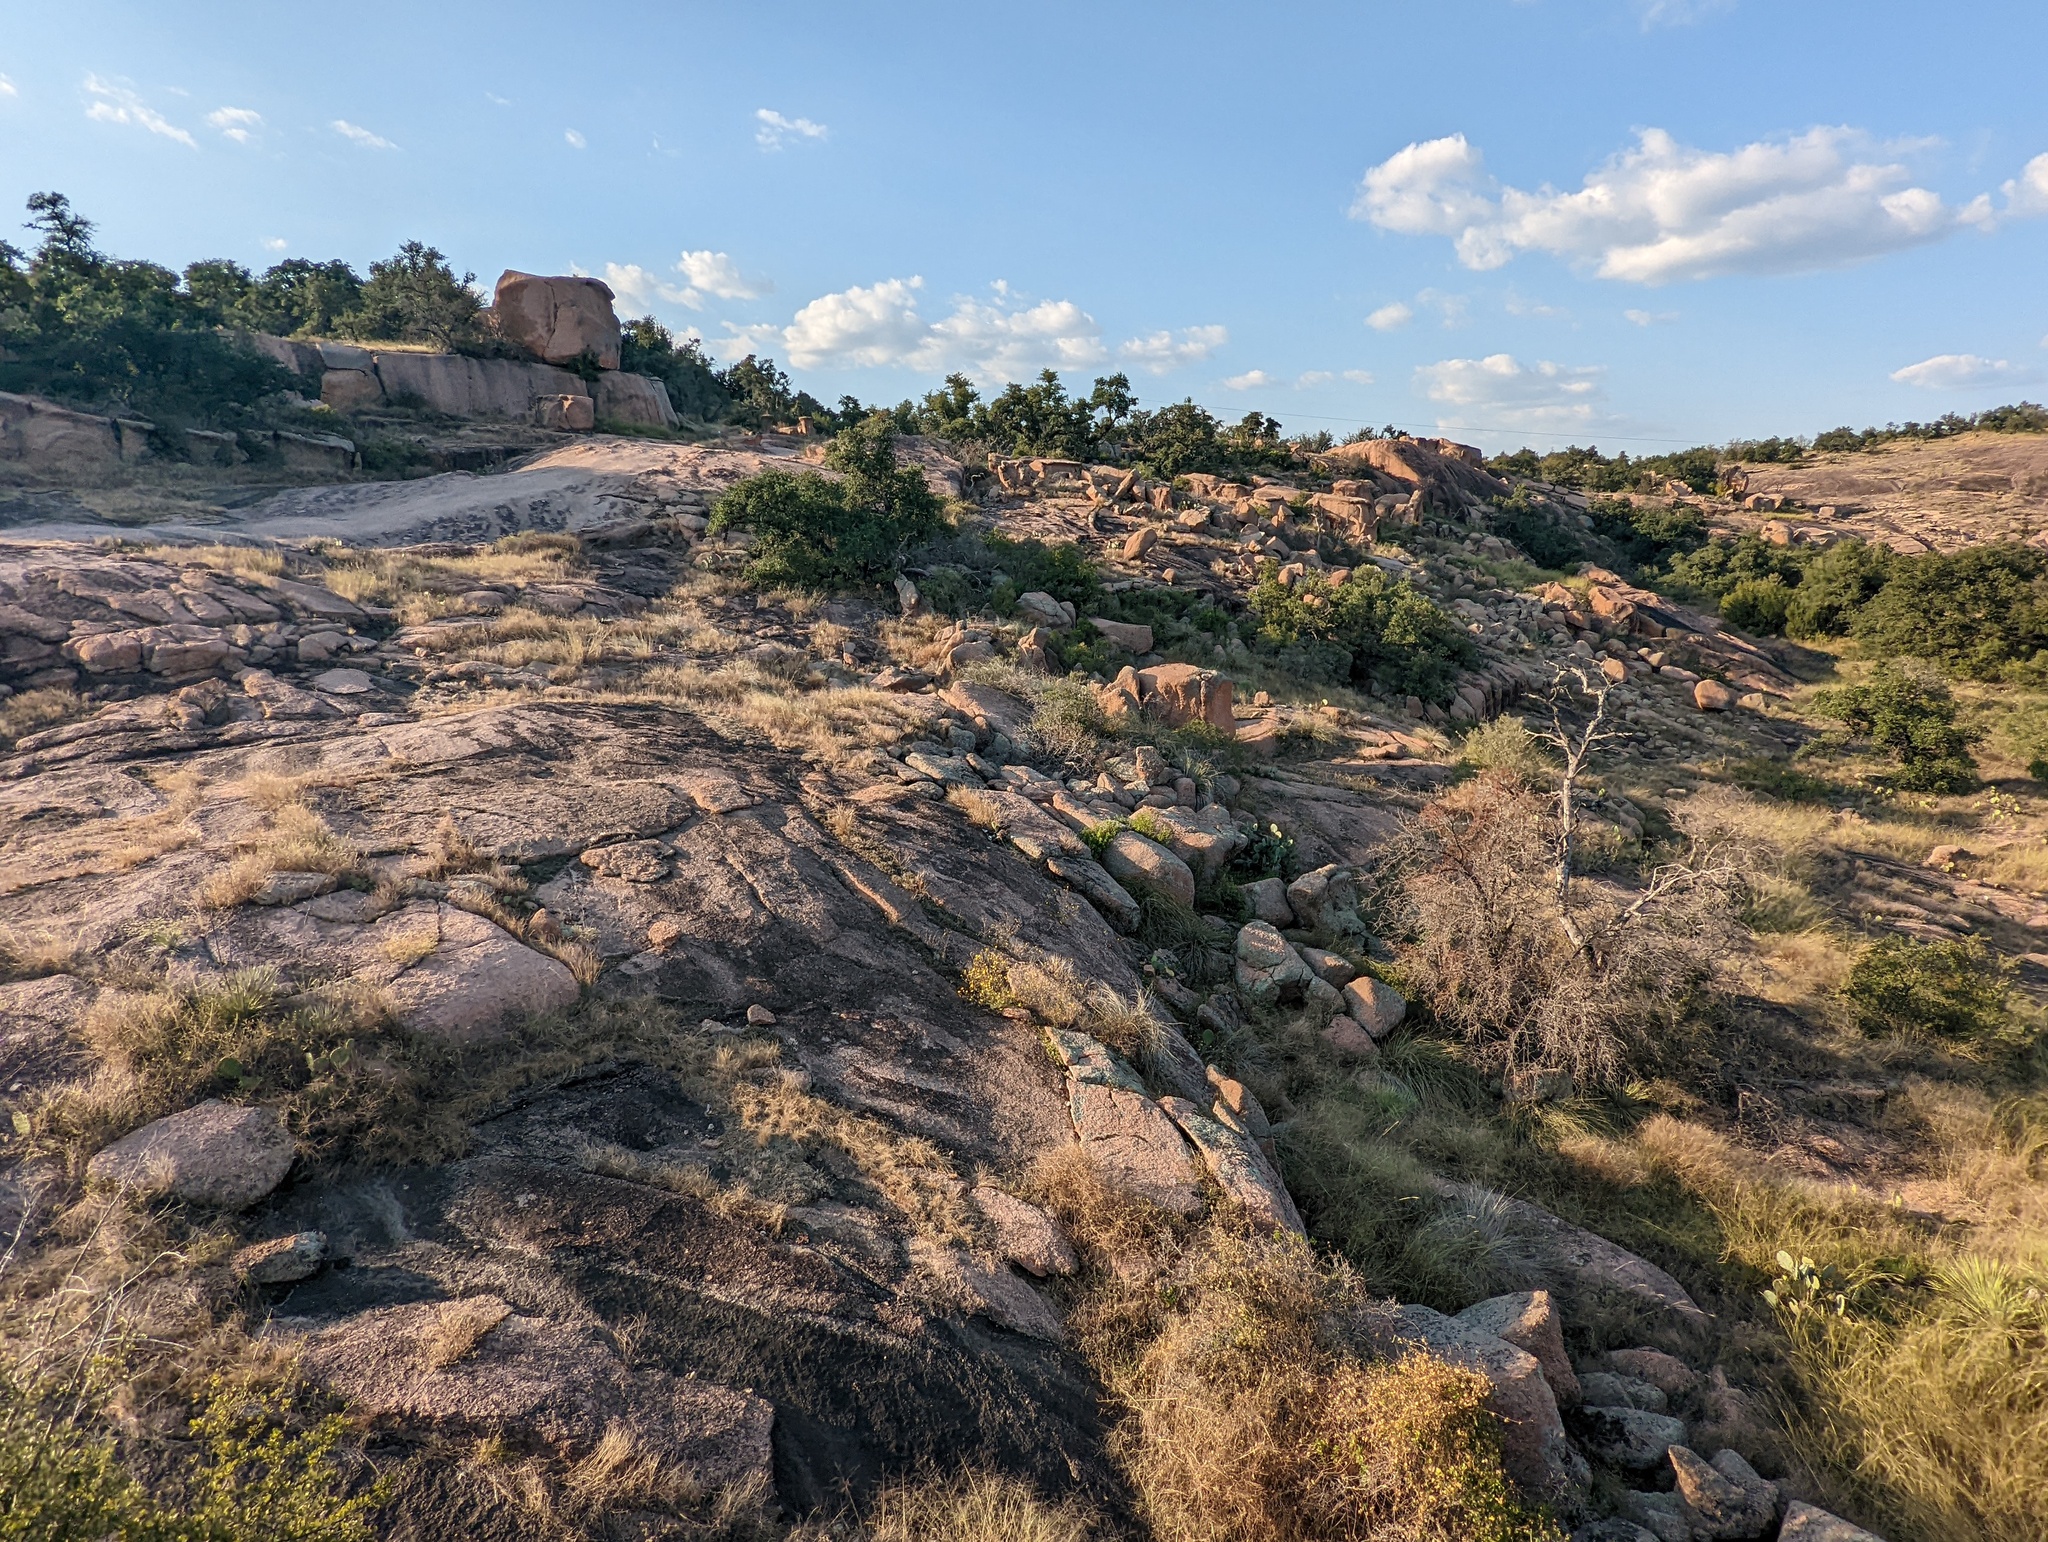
(557, 320)
(1537, 1454)
(1809, 1523)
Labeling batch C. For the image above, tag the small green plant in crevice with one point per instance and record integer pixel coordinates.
(1265, 855)
(1099, 836)
(986, 981)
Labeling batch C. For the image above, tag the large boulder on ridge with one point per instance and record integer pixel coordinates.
(557, 320)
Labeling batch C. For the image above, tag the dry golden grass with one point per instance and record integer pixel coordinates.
(974, 1507)
(1264, 1398)
(459, 1326)
(244, 561)
(296, 840)
(28, 712)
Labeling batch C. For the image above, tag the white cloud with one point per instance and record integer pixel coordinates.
(575, 140)
(1663, 211)
(7, 87)
(1648, 318)
(2028, 192)
(1307, 380)
(274, 243)
(1388, 317)
(356, 133)
(1954, 371)
(1313, 377)
(236, 123)
(1250, 380)
(716, 274)
(873, 325)
(1521, 305)
(1679, 13)
(497, 100)
(1158, 352)
(1499, 388)
(881, 326)
(705, 273)
(776, 130)
(114, 103)
(1358, 376)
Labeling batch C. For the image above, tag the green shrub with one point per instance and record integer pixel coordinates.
(1715, 568)
(1952, 990)
(815, 533)
(1370, 629)
(1837, 583)
(414, 296)
(1265, 855)
(1758, 605)
(1538, 532)
(646, 347)
(969, 571)
(1914, 718)
(1978, 612)
(262, 1480)
(1648, 535)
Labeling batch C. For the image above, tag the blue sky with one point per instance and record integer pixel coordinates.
(1631, 222)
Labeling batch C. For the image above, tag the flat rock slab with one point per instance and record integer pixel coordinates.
(476, 978)
(1129, 1136)
(1630, 1438)
(224, 1155)
(1098, 888)
(1025, 1234)
(1592, 1262)
(1238, 1166)
(527, 1379)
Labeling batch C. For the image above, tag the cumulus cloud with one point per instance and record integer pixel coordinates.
(576, 141)
(1250, 380)
(1662, 211)
(1500, 391)
(274, 243)
(1158, 352)
(1390, 316)
(704, 274)
(116, 103)
(2028, 192)
(236, 123)
(1261, 380)
(355, 133)
(7, 87)
(1358, 376)
(716, 274)
(1643, 318)
(1953, 371)
(882, 326)
(776, 131)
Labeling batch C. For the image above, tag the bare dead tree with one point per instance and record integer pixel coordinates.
(1576, 746)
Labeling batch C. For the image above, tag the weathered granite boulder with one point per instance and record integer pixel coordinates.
(1128, 1135)
(1139, 863)
(223, 1155)
(472, 976)
(1025, 1235)
(1238, 1166)
(1809, 1523)
(1633, 1439)
(1533, 1444)
(558, 319)
(1726, 1500)
(1529, 1320)
(1376, 1006)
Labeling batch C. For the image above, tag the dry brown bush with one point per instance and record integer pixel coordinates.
(1267, 1398)
(1587, 977)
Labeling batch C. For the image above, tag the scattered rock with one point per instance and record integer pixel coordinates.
(1662, 1515)
(1810, 1523)
(344, 682)
(1180, 694)
(760, 1017)
(1347, 1038)
(1325, 902)
(1269, 971)
(1375, 1005)
(1533, 1445)
(1633, 1439)
(282, 1260)
(1137, 862)
(1138, 542)
(1123, 634)
(1727, 1501)
(224, 1155)
(1529, 1320)
(1667, 1373)
(1712, 696)
(1611, 1391)
(629, 861)
(1130, 1137)
(994, 1293)
(1025, 1235)
(1268, 900)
